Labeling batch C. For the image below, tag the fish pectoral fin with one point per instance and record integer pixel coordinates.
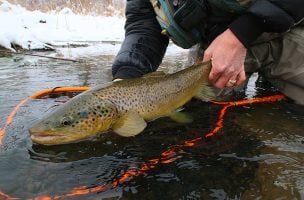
(129, 124)
(181, 117)
(206, 93)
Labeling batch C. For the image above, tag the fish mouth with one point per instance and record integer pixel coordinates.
(48, 139)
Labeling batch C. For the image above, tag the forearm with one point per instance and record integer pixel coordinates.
(144, 47)
(267, 16)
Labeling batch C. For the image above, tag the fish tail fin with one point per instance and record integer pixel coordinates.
(206, 93)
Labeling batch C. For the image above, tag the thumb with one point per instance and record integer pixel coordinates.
(207, 56)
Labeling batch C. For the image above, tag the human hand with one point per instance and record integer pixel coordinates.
(228, 56)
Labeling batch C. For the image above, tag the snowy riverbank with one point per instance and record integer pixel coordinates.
(38, 30)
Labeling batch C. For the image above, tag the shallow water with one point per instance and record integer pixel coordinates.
(258, 154)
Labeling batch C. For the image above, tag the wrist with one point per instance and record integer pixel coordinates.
(234, 40)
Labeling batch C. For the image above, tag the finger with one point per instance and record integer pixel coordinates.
(222, 81)
(226, 77)
(241, 78)
(215, 73)
(231, 82)
(117, 79)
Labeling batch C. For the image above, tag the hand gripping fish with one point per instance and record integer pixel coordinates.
(123, 106)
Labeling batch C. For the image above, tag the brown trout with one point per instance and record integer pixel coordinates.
(123, 106)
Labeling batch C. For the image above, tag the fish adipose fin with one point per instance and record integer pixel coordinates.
(129, 124)
(181, 117)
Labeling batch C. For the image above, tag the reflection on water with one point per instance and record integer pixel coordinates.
(257, 155)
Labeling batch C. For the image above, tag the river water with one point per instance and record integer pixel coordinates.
(258, 154)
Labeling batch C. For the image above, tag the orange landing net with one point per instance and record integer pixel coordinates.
(172, 153)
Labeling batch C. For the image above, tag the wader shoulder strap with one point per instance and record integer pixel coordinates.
(164, 16)
(184, 21)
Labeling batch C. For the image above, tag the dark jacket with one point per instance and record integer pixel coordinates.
(144, 46)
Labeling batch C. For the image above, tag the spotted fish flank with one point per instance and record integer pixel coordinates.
(123, 106)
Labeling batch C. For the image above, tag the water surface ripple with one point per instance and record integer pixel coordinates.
(257, 155)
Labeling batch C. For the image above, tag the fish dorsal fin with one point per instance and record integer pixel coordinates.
(181, 117)
(154, 74)
(129, 124)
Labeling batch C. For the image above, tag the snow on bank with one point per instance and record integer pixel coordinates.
(34, 29)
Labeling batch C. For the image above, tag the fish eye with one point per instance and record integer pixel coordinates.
(66, 121)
